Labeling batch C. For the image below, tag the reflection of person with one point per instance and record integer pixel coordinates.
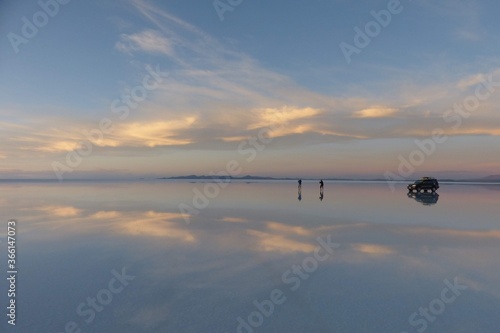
(300, 190)
(321, 196)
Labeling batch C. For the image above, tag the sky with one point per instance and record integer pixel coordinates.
(319, 88)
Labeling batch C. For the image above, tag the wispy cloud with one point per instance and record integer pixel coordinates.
(155, 133)
(373, 249)
(216, 96)
(149, 41)
(471, 81)
(375, 112)
(465, 17)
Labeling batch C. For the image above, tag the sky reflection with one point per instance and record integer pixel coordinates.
(393, 257)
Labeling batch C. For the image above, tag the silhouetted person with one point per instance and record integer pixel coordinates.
(321, 185)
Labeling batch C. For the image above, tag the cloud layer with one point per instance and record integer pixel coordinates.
(215, 96)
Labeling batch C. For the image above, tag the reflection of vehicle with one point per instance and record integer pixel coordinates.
(425, 198)
(426, 183)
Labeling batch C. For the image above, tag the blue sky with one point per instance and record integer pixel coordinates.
(223, 81)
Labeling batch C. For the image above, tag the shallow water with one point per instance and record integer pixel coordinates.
(389, 266)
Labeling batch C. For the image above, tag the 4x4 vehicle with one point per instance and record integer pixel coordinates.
(426, 183)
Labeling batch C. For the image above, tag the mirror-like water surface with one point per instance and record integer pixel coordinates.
(121, 257)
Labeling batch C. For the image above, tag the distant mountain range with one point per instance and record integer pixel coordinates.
(492, 178)
(203, 177)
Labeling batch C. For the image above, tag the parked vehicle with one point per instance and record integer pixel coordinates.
(424, 184)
